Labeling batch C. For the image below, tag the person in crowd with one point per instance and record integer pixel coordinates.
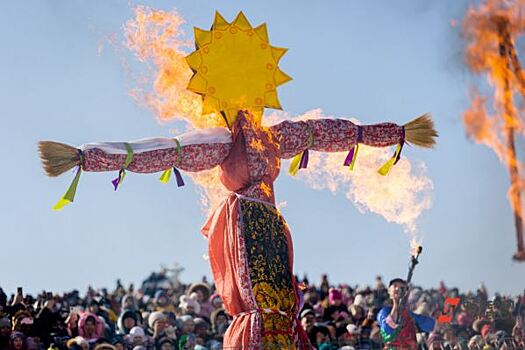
(90, 327)
(17, 341)
(398, 324)
(127, 320)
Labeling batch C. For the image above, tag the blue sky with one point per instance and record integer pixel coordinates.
(374, 60)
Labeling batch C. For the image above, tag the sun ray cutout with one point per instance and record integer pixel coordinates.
(235, 68)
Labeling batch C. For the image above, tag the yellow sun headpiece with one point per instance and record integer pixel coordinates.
(235, 68)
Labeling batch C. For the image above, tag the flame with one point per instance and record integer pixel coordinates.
(156, 38)
(491, 30)
(400, 197)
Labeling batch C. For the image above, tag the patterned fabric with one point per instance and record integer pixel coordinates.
(404, 336)
(332, 135)
(193, 158)
(270, 274)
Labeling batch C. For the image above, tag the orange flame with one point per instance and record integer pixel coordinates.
(155, 37)
(491, 29)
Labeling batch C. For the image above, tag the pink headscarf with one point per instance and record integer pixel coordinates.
(99, 326)
(333, 295)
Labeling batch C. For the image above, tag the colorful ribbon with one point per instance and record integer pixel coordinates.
(352, 154)
(300, 160)
(69, 196)
(165, 177)
(351, 157)
(122, 172)
(392, 161)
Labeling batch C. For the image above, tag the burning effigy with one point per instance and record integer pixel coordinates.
(231, 77)
(495, 119)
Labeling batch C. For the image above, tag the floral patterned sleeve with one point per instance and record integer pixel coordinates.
(199, 152)
(332, 135)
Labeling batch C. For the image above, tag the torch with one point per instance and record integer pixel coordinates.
(414, 260)
(508, 53)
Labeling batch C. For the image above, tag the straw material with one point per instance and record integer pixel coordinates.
(421, 132)
(57, 158)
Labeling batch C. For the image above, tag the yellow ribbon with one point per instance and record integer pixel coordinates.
(165, 177)
(294, 164)
(69, 196)
(390, 163)
(296, 160)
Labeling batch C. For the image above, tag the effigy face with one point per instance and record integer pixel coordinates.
(235, 68)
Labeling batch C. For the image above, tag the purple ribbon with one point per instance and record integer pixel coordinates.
(349, 157)
(116, 181)
(304, 160)
(178, 176)
(399, 154)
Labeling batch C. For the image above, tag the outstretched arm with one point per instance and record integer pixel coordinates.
(193, 151)
(332, 135)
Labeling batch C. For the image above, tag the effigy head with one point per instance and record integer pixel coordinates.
(235, 68)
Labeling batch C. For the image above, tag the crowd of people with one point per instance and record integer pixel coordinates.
(166, 314)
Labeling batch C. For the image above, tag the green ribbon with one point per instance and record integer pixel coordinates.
(69, 196)
(122, 173)
(129, 156)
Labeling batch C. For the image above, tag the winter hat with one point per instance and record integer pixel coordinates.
(136, 332)
(185, 318)
(204, 288)
(333, 295)
(17, 335)
(307, 312)
(353, 329)
(155, 316)
(359, 300)
(186, 302)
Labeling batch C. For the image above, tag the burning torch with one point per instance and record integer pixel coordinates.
(414, 260)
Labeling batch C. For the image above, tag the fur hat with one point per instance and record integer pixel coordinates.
(202, 287)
